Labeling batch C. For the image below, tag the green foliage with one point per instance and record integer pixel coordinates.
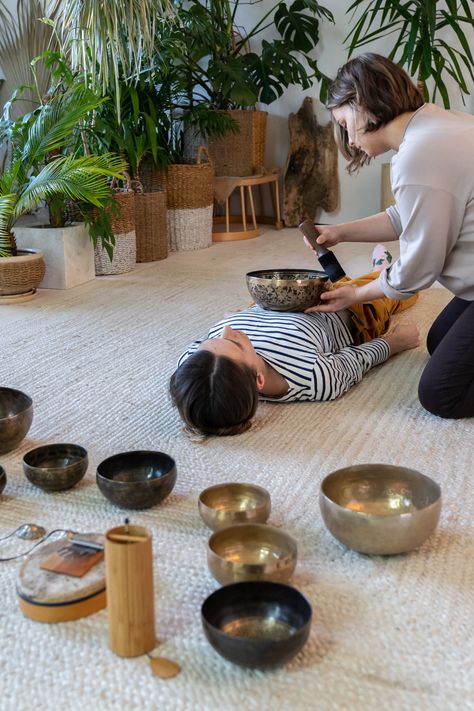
(418, 27)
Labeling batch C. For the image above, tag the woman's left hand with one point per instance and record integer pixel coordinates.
(335, 300)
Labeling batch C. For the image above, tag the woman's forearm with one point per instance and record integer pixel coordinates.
(376, 228)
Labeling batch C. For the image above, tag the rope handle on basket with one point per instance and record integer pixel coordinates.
(203, 149)
(128, 183)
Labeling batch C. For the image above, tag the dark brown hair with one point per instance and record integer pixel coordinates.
(376, 85)
(214, 394)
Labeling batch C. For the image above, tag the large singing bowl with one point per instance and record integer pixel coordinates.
(16, 416)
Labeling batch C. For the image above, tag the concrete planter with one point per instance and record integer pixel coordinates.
(68, 253)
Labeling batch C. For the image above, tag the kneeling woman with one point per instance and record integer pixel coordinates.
(257, 354)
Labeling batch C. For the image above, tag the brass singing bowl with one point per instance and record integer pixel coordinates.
(223, 505)
(16, 415)
(286, 289)
(251, 551)
(55, 467)
(380, 509)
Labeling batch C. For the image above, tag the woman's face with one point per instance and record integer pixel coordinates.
(355, 121)
(235, 345)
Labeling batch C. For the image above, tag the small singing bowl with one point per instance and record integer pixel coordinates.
(257, 624)
(3, 479)
(223, 505)
(380, 509)
(137, 480)
(251, 551)
(16, 415)
(286, 289)
(55, 467)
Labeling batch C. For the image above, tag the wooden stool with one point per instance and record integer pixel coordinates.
(243, 184)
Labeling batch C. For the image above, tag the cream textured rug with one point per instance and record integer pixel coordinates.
(388, 633)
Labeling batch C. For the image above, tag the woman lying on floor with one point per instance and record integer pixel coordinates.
(281, 357)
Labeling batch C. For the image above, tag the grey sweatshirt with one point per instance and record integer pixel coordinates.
(432, 177)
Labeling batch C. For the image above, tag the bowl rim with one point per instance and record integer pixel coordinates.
(103, 477)
(257, 274)
(292, 543)
(256, 487)
(373, 466)
(82, 452)
(17, 392)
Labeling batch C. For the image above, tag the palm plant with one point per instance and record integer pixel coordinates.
(39, 166)
(420, 42)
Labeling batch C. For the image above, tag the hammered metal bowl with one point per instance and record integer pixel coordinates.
(137, 480)
(223, 505)
(55, 467)
(251, 551)
(380, 509)
(257, 624)
(286, 289)
(16, 415)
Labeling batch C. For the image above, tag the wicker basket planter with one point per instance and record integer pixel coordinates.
(125, 250)
(21, 275)
(151, 226)
(190, 199)
(241, 153)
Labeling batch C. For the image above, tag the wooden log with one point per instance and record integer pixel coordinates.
(311, 180)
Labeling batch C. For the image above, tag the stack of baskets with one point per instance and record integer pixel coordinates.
(190, 198)
(151, 214)
(123, 228)
(243, 153)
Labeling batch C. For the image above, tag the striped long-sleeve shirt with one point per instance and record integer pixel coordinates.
(314, 352)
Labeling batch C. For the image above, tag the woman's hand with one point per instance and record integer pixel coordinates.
(336, 300)
(328, 235)
(402, 337)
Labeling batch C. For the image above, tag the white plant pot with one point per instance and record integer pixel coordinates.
(68, 253)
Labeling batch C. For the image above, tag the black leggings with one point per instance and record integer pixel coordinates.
(447, 384)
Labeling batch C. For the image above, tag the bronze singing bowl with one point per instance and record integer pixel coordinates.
(251, 551)
(286, 289)
(380, 509)
(55, 467)
(16, 415)
(223, 505)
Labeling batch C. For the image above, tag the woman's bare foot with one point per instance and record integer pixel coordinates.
(381, 258)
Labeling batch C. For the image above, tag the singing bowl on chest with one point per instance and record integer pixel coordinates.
(286, 289)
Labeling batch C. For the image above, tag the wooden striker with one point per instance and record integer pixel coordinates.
(129, 580)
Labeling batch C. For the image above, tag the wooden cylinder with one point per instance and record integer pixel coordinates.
(129, 581)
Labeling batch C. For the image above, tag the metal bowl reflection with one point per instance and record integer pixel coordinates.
(251, 551)
(257, 624)
(223, 505)
(380, 509)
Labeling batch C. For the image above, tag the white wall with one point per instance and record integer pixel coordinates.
(360, 195)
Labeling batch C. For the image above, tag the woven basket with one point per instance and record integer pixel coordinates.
(151, 226)
(241, 153)
(153, 179)
(21, 274)
(123, 227)
(191, 185)
(190, 228)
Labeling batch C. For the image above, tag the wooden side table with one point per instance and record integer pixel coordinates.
(222, 230)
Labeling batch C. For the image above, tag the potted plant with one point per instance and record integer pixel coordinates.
(40, 167)
(420, 41)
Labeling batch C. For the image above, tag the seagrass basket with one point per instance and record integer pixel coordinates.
(123, 227)
(243, 153)
(190, 199)
(21, 274)
(151, 227)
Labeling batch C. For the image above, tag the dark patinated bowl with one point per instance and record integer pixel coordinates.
(223, 505)
(16, 415)
(286, 289)
(380, 509)
(3, 479)
(137, 480)
(55, 467)
(257, 624)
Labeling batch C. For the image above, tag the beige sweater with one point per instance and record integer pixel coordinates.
(432, 177)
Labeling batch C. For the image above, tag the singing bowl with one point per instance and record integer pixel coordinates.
(286, 289)
(16, 415)
(251, 551)
(3, 479)
(223, 505)
(380, 509)
(137, 480)
(55, 467)
(256, 624)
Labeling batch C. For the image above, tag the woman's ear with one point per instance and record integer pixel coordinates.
(260, 380)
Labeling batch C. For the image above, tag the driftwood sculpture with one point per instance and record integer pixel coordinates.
(311, 181)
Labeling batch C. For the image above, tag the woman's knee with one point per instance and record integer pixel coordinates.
(441, 401)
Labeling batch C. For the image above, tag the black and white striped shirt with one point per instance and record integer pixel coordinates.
(314, 352)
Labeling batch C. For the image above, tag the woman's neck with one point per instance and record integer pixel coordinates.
(275, 384)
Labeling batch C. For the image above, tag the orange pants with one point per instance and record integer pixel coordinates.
(372, 318)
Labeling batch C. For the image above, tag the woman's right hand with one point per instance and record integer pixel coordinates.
(402, 337)
(328, 235)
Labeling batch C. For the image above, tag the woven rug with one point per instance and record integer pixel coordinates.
(387, 633)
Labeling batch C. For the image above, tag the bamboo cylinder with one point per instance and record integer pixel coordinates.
(129, 584)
